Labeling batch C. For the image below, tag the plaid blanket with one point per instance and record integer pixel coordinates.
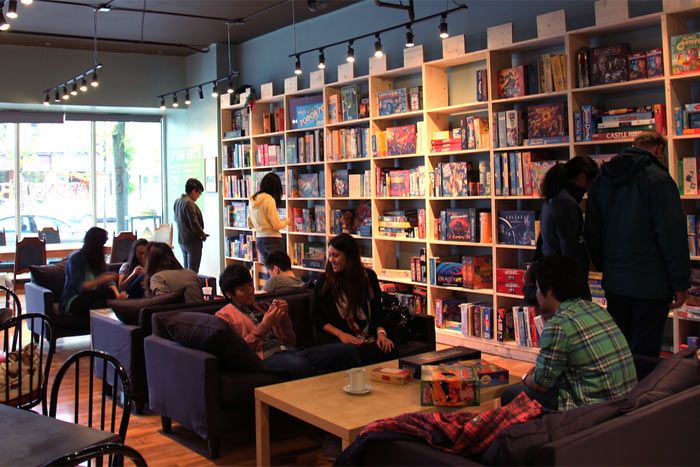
(465, 434)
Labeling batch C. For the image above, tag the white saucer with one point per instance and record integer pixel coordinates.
(366, 390)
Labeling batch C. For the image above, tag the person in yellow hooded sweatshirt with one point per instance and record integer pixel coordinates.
(263, 217)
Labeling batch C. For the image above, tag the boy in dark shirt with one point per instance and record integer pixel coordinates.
(282, 278)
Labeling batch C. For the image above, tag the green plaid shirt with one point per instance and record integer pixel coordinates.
(584, 355)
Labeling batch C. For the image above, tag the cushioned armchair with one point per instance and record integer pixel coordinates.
(191, 386)
(122, 335)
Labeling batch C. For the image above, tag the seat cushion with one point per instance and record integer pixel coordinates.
(205, 332)
(50, 277)
(128, 310)
(237, 389)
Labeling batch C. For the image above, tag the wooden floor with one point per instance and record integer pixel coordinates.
(296, 444)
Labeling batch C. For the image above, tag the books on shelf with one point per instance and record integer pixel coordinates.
(236, 215)
(400, 182)
(309, 254)
(415, 98)
(547, 120)
(308, 219)
(241, 247)
(305, 148)
(308, 185)
(525, 330)
(258, 176)
(510, 280)
(517, 228)
(409, 296)
(408, 223)
(353, 220)
(394, 101)
(512, 82)
(598, 124)
(448, 314)
(350, 101)
(269, 155)
(520, 173)
(685, 53)
(546, 124)
(686, 119)
(273, 121)
(482, 86)
(236, 186)
(690, 176)
(335, 110)
(240, 124)
(237, 156)
(395, 141)
(464, 225)
(348, 143)
(450, 179)
(609, 64)
(544, 75)
(419, 267)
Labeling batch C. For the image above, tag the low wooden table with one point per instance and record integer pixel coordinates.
(322, 402)
(29, 438)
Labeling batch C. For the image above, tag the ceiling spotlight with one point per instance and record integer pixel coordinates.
(4, 25)
(66, 95)
(74, 91)
(57, 97)
(297, 66)
(409, 36)
(47, 100)
(350, 57)
(175, 104)
(214, 91)
(201, 93)
(229, 86)
(443, 27)
(95, 82)
(378, 47)
(12, 9)
(321, 60)
(188, 101)
(162, 103)
(27, 2)
(83, 85)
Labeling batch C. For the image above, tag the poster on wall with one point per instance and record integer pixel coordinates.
(210, 175)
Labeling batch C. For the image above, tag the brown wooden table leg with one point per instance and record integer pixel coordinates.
(262, 433)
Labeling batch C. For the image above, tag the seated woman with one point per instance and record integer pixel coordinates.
(88, 284)
(131, 272)
(347, 303)
(270, 334)
(165, 274)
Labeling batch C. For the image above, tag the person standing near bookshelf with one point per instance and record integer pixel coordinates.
(190, 224)
(263, 217)
(561, 222)
(637, 236)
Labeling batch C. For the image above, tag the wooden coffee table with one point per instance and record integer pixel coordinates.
(321, 401)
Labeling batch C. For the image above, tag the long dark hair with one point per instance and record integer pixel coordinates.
(272, 185)
(160, 258)
(352, 280)
(133, 260)
(560, 174)
(94, 249)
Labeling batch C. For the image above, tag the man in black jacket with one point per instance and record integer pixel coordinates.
(636, 235)
(190, 224)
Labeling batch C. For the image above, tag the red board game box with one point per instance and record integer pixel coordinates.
(401, 140)
(510, 281)
(511, 82)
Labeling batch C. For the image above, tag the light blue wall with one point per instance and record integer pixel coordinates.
(264, 59)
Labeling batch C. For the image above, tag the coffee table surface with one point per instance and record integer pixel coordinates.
(321, 401)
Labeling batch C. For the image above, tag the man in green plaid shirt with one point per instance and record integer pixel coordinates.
(584, 358)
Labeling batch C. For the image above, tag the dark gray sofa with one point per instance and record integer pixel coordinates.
(187, 385)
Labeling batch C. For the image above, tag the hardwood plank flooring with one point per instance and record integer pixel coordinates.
(292, 443)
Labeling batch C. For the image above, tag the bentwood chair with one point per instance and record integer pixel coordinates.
(50, 235)
(97, 452)
(28, 345)
(84, 385)
(30, 251)
(121, 246)
(12, 306)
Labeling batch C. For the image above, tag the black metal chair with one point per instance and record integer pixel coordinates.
(30, 251)
(97, 452)
(50, 235)
(12, 307)
(120, 388)
(121, 246)
(24, 381)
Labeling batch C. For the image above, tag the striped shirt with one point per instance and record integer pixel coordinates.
(584, 355)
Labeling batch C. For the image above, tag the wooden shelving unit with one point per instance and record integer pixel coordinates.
(449, 91)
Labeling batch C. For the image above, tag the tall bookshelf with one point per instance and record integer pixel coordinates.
(449, 93)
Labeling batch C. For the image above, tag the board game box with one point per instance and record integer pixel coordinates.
(685, 53)
(450, 354)
(392, 102)
(655, 63)
(512, 82)
(308, 185)
(449, 386)
(637, 66)
(401, 140)
(546, 120)
(350, 97)
(489, 374)
(516, 227)
(609, 64)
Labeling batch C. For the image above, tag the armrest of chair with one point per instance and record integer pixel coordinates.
(146, 314)
(182, 384)
(38, 299)
(424, 326)
(114, 337)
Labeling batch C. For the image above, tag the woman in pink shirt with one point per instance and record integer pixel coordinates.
(270, 334)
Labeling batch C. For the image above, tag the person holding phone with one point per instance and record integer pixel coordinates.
(269, 333)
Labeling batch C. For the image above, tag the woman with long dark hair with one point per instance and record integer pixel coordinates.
(131, 272)
(263, 217)
(88, 284)
(561, 223)
(346, 306)
(165, 274)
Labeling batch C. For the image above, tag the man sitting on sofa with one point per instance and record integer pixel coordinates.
(282, 278)
(270, 334)
(584, 358)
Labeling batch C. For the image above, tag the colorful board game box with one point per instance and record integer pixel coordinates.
(308, 185)
(516, 227)
(340, 185)
(685, 53)
(609, 64)
(401, 140)
(334, 109)
(512, 82)
(350, 97)
(459, 224)
(655, 63)
(489, 374)
(637, 66)
(415, 98)
(392, 102)
(449, 386)
(546, 120)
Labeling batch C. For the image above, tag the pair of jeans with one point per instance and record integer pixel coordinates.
(641, 320)
(311, 361)
(192, 255)
(549, 400)
(266, 245)
(135, 288)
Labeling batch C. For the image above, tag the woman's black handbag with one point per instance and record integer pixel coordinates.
(397, 319)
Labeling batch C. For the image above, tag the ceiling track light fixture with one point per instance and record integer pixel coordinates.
(71, 86)
(57, 97)
(4, 25)
(321, 60)
(378, 48)
(66, 95)
(12, 9)
(83, 85)
(74, 91)
(27, 2)
(199, 88)
(47, 99)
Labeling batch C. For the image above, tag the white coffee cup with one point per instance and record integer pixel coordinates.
(206, 291)
(356, 379)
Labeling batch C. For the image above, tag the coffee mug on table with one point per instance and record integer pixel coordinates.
(356, 379)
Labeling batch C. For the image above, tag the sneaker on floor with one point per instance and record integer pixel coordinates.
(331, 447)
